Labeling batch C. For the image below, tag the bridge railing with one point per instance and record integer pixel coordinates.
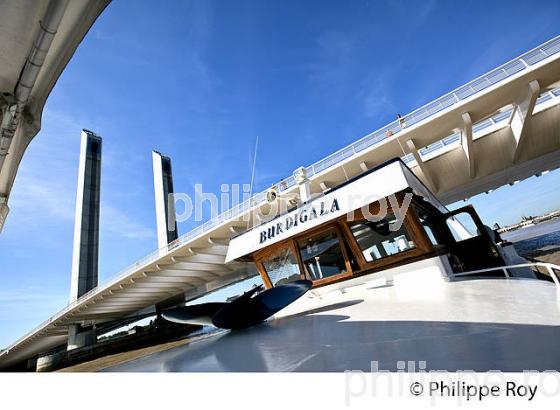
(456, 96)
(479, 127)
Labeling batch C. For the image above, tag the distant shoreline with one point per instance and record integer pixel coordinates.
(533, 231)
(539, 242)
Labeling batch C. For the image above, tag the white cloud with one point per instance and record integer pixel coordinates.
(30, 303)
(41, 199)
(45, 188)
(376, 98)
(119, 223)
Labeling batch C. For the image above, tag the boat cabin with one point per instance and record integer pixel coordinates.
(384, 220)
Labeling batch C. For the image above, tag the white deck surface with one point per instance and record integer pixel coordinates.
(486, 324)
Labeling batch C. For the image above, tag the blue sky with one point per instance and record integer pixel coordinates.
(198, 80)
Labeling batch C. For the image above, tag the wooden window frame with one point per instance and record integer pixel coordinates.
(422, 243)
(262, 254)
(349, 246)
(328, 226)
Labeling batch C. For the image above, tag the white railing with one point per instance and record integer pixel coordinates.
(552, 270)
(521, 63)
(440, 147)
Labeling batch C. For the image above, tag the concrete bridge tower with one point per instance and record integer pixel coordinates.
(165, 209)
(86, 232)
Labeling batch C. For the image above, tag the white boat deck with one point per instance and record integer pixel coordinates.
(474, 324)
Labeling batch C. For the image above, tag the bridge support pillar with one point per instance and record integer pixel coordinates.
(522, 114)
(81, 337)
(422, 165)
(31, 365)
(467, 142)
(165, 209)
(4, 209)
(300, 175)
(325, 186)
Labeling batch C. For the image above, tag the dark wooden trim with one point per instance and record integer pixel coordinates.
(422, 243)
(353, 244)
(414, 226)
(264, 274)
(295, 250)
(348, 243)
(329, 226)
(262, 254)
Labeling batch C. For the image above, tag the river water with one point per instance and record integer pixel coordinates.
(540, 241)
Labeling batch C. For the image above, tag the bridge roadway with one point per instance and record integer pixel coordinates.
(500, 128)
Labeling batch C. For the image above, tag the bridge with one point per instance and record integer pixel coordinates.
(38, 38)
(500, 128)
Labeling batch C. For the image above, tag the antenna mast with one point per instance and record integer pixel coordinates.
(254, 163)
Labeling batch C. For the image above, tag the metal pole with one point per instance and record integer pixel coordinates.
(254, 165)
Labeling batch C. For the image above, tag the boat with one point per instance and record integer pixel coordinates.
(395, 278)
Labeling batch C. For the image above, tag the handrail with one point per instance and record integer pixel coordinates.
(496, 119)
(550, 267)
(479, 84)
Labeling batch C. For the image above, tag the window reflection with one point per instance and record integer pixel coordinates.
(429, 224)
(379, 239)
(281, 267)
(322, 255)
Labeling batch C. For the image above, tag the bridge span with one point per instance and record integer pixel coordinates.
(499, 128)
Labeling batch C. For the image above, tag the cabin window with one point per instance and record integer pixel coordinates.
(322, 255)
(281, 267)
(380, 239)
(462, 226)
